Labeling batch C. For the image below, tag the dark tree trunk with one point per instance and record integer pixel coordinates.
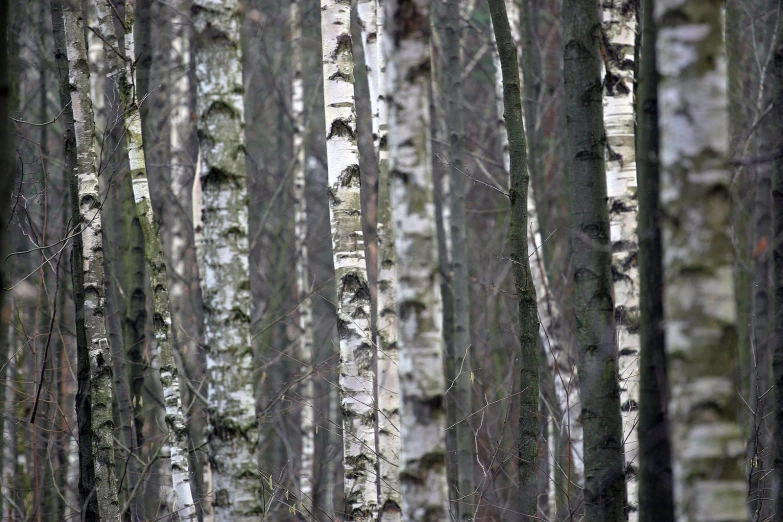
(656, 502)
(594, 307)
(529, 423)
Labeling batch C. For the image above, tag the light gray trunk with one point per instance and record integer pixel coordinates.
(700, 310)
(233, 434)
(422, 384)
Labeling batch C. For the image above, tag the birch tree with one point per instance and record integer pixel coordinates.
(619, 39)
(122, 69)
(233, 432)
(86, 481)
(700, 311)
(372, 17)
(305, 346)
(356, 376)
(100, 366)
(656, 500)
(604, 493)
(422, 385)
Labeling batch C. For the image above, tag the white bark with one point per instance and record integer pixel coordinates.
(353, 293)
(233, 435)
(101, 374)
(619, 27)
(122, 69)
(422, 384)
(390, 500)
(700, 309)
(305, 346)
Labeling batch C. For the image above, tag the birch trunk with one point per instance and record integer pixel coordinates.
(619, 43)
(88, 506)
(100, 373)
(353, 293)
(122, 69)
(305, 346)
(422, 386)
(604, 492)
(656, 501)
(700, 311)
(234, 431)
(390, 500)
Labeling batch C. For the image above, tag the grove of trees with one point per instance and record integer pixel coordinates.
(391, 260)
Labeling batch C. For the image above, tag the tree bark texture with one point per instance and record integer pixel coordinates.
(529, 423)
(656, 500)
(777, 271)
(122, 69)
(89, 199)
(388, 379)
(233, 431)
(700, 311)
(604, 492)
(357, 376)
(618, 35)
(422, 385)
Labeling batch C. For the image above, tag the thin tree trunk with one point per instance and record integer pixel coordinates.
(777, 271)
(618, 34)
(234, 430)
(451, 58)
(594, 308)
(699, 306)
(305, 346)
(529, 423)
(656, 500)
(6, 140)
(88, 501)
(123, 70)
(89, 201)
(422, 386)
(390, 500)
(353, 293)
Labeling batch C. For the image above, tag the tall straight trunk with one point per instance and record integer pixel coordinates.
(390, 499)
(422, 385)
(529, 423)
(656, 500)
(305, 347)
(700, 311)
(594, 308)
(618, 35)
(234, 434)
(777, 271)
(185, 316)
(6, 139)
(451, 58)
(122, 69)
(86, 476)
(353, 293)
(89, 201)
